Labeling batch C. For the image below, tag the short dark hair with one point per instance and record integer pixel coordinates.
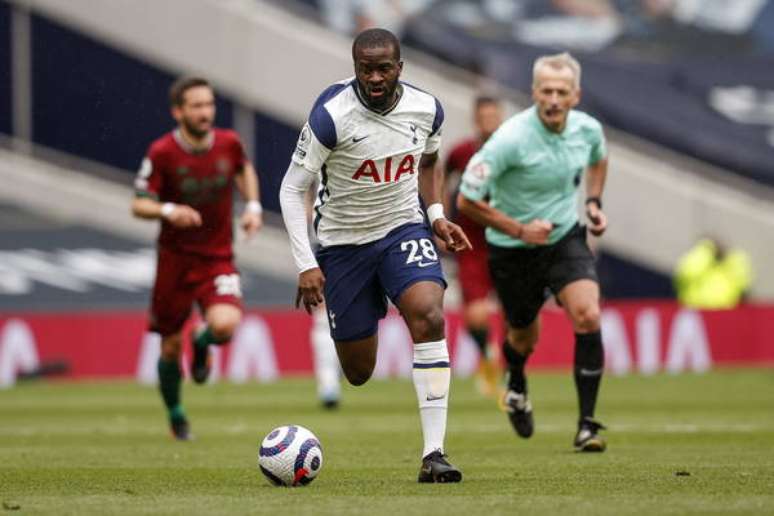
(483, 100)
(376, 38)
(183, 84)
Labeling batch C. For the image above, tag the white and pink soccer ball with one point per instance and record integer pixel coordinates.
(290, 456)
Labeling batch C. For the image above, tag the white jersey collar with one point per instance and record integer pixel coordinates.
(190, 149)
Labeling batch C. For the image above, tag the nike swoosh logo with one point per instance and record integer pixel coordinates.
(426, 264)
(355, 140)
(434, 398)
(590, 372)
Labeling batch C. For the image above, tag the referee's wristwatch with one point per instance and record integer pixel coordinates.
(595, 200)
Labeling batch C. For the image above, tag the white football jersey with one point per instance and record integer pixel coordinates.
(369, 162)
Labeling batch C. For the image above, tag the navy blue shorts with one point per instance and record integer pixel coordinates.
(359, 278)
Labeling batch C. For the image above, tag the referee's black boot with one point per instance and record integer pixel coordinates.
(519, 411)
(587, 439)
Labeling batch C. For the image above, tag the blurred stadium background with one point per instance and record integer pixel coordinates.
(685, 89)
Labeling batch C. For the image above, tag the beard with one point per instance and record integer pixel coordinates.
(196, 130)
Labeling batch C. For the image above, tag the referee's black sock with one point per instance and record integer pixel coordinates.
(589, 366)
(517, 381)
(481, 338)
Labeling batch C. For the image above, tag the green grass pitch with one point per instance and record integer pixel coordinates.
(689, 444)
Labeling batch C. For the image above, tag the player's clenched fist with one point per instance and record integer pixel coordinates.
(182, 216)
(451, 235)
(310, 288)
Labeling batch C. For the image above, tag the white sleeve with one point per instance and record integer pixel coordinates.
(433, 143)
(310, 152)
(296, 182)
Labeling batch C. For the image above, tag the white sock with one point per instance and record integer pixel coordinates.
(326, 362)
(432, 376)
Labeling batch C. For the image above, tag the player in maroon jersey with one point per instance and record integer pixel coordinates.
(186, 181)
(473, 271)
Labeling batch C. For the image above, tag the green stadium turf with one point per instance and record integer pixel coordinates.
(689, 444)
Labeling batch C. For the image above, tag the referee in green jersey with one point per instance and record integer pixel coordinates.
(530, 169)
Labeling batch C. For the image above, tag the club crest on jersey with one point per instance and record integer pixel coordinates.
(370, 169)
(222, 165)
(413, 128)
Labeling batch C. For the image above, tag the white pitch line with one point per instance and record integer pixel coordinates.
(549, 428)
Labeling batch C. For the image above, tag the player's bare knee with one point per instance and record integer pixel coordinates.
(427, 325)
(170, 355)
(586, 318)
(223, 329)
(477, 314)
(171, 347)
(522, 340)
(357, 375)
(223, 322)
(524, 345)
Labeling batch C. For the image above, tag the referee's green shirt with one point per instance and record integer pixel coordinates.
(530, 173)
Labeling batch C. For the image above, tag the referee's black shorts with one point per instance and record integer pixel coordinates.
(525, 277)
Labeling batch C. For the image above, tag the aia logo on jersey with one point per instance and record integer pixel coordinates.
(369, 169)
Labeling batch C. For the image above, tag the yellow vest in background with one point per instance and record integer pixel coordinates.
(703, 281)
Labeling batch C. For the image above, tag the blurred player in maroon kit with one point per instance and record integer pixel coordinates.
(186, 181)
(473, 272)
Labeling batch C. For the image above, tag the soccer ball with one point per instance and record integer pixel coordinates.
(290, 456)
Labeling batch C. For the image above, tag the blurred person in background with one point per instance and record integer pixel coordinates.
(373, 141)
(327, 371)
(473, 269)
(389, 14)
(186, 181)
(354, 16)
(531, 169)
(709, 276)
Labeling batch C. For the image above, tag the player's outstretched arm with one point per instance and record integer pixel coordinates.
(179, 215)
(292, 196)
(595, 184)
(247, 183)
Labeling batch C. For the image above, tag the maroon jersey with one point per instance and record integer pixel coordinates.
(456, 163)
(473, 272)
(173, 172)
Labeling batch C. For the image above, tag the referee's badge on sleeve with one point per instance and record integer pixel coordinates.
(476, 175)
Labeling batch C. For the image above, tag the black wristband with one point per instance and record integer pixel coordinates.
(596, 200)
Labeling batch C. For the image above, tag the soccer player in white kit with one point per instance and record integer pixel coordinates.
(373, 140)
